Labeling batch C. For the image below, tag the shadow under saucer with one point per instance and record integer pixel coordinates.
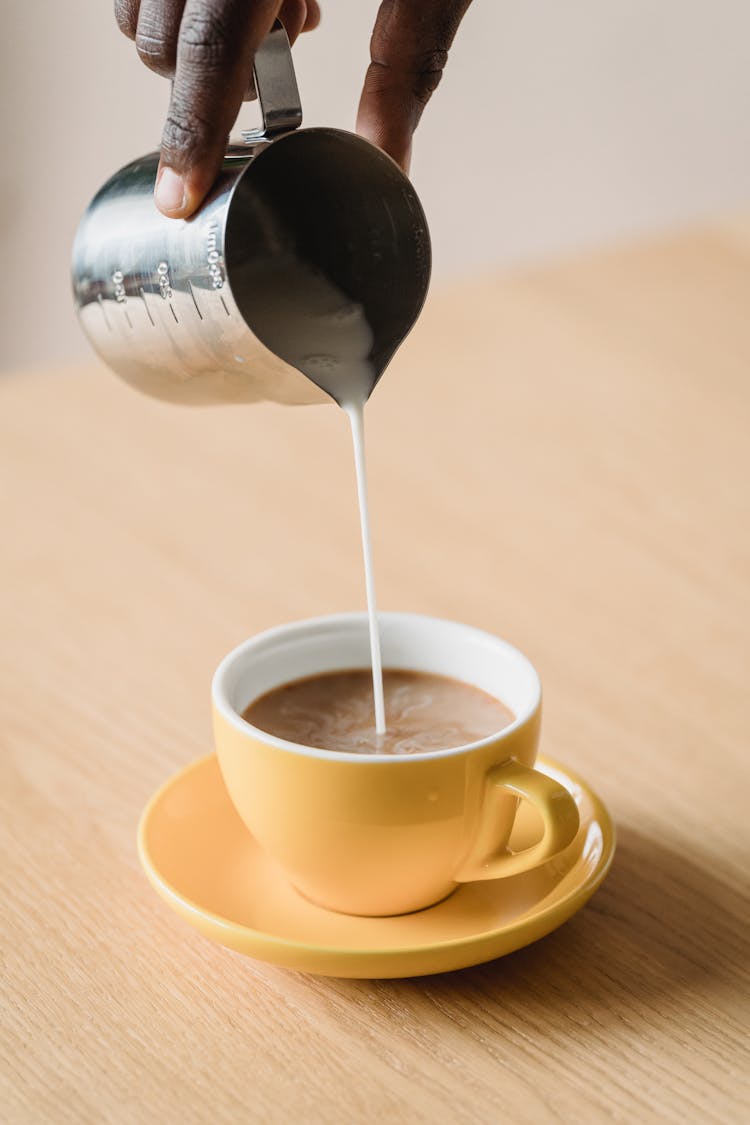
(663, 920)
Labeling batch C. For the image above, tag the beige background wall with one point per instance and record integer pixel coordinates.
(558, 125)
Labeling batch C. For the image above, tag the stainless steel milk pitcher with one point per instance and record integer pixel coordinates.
(301, 273)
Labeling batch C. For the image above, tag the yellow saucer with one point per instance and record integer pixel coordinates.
(203, 861)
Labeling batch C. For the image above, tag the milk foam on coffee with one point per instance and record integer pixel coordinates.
(334, 711)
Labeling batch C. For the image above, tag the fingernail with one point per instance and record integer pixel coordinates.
(170, 190)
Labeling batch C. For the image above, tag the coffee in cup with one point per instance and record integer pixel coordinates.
(334, 711)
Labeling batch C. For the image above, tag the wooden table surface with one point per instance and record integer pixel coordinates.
(562, 457)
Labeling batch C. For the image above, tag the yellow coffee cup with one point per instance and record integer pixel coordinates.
(378, 834)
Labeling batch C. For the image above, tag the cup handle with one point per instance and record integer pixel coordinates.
(559, 813)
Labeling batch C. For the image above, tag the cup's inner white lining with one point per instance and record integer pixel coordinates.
(408, 641)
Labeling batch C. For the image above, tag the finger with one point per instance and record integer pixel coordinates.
(156, 34)
(293, 14)
(126, 15)
(409, 49)
(313, 15)
(215, 49)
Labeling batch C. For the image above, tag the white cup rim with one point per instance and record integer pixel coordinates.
(224, 706)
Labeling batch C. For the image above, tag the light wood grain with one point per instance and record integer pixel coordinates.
(577, 480)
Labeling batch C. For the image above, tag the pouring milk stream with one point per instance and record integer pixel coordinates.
(295, 282)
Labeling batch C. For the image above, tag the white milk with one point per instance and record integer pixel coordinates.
(356, 412)
(304, 318)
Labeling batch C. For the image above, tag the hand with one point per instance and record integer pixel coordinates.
(207, 47)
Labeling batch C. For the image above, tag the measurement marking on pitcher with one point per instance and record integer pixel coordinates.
(148, 310)
(163, 280)
(192, 294)
(213, 257)
(121, 296)
(174, 314)
(100, 299)
(226, 310)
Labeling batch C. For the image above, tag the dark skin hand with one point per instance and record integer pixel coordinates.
(207, 48)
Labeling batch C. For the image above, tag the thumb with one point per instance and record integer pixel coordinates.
(409, 49)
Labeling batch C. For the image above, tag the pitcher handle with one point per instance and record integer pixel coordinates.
(276, 86)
